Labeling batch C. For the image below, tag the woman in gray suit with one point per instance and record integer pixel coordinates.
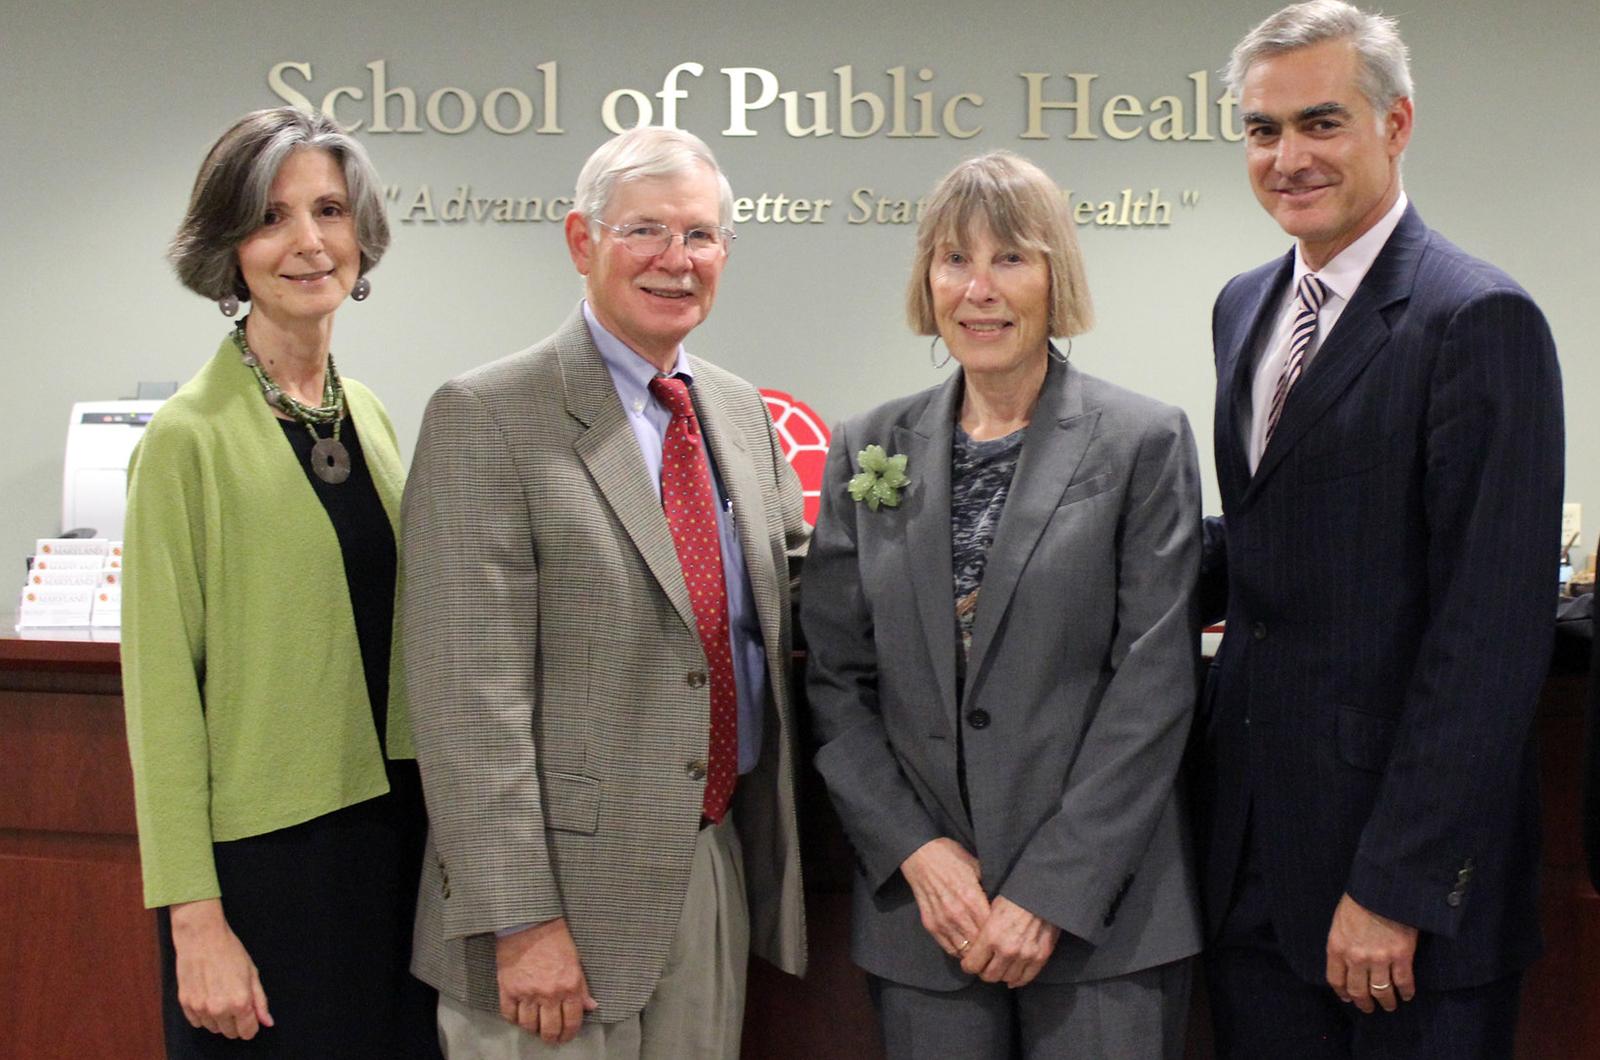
(999, 603)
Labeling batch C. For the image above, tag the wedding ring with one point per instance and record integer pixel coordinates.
(1379, 986)
(963, 947)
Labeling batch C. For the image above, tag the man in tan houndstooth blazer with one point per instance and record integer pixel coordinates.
(572, 892)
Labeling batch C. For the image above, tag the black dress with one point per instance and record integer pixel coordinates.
(325, 907)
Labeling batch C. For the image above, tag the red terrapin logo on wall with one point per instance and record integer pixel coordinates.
(805, 443)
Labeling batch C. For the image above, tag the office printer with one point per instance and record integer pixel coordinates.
(94, 482)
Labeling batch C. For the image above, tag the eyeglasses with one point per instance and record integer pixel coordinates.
(649, 238)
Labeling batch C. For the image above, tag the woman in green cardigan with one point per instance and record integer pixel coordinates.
(280, 815)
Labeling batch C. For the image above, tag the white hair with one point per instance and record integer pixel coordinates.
(641, 153)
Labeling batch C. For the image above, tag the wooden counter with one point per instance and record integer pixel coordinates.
(78, 968)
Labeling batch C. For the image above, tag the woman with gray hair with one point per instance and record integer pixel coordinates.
(280, 817)
(1003, 643)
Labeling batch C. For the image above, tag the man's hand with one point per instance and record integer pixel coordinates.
(218, 987)
(542, 985)
(1012, 947)
(1369, 957)
(945, 880)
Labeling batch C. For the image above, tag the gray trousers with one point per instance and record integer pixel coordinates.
(697, 1009)
(1140, 1016)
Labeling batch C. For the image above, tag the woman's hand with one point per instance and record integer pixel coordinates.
(946, 882)
(1012, 947)
(218, 987)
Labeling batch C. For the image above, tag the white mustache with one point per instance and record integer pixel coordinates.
(668, 283)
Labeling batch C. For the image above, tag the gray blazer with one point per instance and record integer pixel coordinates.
(557, 681)
(1079, 691)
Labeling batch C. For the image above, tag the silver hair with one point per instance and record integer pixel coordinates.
(1385, 74)
(639, 154)
(229, 199)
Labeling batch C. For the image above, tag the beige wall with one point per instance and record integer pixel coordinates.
(107, 109)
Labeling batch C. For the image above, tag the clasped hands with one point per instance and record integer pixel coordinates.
(999, 942)
(542, 986)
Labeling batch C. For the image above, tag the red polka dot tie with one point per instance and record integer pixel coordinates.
(690, 501)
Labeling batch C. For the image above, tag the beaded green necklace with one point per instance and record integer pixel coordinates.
(330, 460)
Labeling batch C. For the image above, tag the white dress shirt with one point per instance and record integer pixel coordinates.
(1340, 277)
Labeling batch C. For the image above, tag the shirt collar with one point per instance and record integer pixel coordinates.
(631, 372)
(1349, 267)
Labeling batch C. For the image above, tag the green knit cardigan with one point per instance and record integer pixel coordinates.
(247, 708)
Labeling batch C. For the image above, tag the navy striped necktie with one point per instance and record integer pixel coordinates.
(1309, 296)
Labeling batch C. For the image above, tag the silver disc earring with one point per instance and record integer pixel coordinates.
(361, 290)
(931, 346)
(228, 304)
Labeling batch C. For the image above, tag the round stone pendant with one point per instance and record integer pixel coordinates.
(330, 461)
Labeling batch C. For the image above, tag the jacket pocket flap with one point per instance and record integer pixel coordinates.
(571, 802)
(1365, 740)
(1348, 460)
(1089, 487)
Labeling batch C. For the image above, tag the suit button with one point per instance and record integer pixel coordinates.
(696, 769)
(1452, 899)
(1259, 631)
(978, 719)
(696, 678)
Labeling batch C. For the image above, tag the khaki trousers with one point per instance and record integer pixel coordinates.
(697, 1009)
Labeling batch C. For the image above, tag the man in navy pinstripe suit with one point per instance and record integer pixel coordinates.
(1389, 450)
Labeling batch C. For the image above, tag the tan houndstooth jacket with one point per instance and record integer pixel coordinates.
(557, 682)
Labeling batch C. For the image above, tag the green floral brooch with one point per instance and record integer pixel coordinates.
(881, 479)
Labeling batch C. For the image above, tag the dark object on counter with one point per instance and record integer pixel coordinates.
(1574, 632)
(1573, 626)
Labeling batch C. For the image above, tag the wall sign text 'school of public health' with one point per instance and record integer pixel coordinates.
(901, 104)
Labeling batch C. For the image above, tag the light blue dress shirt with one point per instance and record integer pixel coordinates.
(631, 375)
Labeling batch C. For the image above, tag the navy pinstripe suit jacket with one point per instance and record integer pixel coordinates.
(1391, 587)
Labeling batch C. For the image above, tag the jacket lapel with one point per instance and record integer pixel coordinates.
(1057, 439)
(383, 459)
(1260, 312)
(611, 453)
(926, 444)
(1361, 332)
(739, 479)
